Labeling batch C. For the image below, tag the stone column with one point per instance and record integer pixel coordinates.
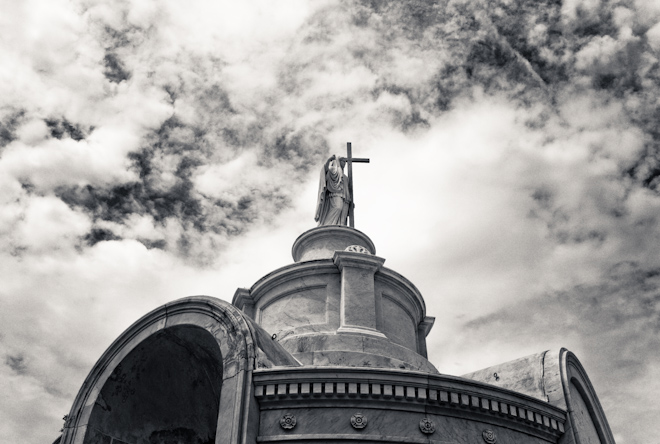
(358, 298)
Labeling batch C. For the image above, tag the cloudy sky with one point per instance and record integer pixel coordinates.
(151, 150)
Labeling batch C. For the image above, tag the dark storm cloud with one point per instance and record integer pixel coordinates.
(115, 71)
(16, 363)
(298, 148)
(119, 38)
(119, 41)
(458, 34)
(9, 122)
(565, 225)
(60, 128)
(99, 235)
(646, 170)
(614, 58)
(178, 149)
(517, 22)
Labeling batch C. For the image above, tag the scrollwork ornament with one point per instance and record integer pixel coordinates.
(357, 249)
(426, 426)
(489, 436)
(288, 421)
(358, 421)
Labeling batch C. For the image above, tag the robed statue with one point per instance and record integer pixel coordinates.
(334, 197)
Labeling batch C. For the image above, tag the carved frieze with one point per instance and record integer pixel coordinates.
(393, 392)
(357, 249)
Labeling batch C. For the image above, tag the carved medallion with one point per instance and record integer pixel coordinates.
(426, 426)
(489, 436)
(288, 421)
(357, 249)
(359, 421)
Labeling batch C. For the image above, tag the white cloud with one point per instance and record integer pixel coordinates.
(222, 180)
(653, 36)
(48, 223)
(98, 160)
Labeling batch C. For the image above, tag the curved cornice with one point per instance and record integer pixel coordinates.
(322, 266)
(405, 286)
(408, 391)
(288, 272)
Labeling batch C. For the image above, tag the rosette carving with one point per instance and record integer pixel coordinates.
(489, 436)
(426, 426)
(288, 421)
(359, 421)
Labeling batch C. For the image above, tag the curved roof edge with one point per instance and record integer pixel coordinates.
(558, 378)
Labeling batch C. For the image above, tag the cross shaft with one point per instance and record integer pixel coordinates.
(349, 159)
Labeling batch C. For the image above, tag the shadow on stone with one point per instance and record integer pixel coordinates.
(166, 391)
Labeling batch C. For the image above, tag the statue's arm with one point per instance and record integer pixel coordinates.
(321, 193)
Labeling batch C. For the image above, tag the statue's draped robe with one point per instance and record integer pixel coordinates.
(334, 196)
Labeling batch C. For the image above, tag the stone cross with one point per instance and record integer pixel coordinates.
(349, 159)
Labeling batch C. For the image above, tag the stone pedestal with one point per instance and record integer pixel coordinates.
(322, 242)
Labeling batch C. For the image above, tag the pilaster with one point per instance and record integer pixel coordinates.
(358, 297)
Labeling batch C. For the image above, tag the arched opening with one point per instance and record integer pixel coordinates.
(165, 391)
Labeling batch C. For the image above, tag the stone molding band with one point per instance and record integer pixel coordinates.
(550, 421)
(361, 437)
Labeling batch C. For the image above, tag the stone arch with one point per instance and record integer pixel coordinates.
(166, 389)
(587, 423)
(206, 344)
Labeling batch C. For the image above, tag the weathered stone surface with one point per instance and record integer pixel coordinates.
(288, 301)
(304, 307)
(398, 323)
(558, 378)
(524, 375)
(408, 318)
(362, 359)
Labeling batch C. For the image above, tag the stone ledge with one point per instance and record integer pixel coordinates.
(349, 259)
(358, 330)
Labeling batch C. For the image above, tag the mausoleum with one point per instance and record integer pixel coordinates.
(328, 349)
